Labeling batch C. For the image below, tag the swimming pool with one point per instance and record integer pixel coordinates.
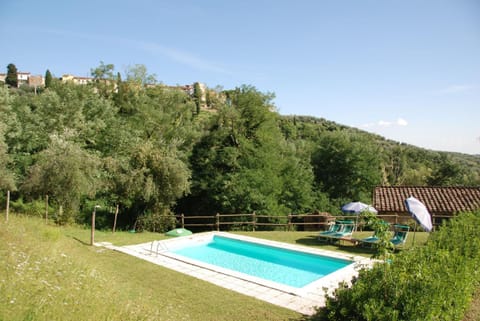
(280, 265)
(304, 300)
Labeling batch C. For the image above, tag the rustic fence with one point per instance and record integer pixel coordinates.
(288, 222)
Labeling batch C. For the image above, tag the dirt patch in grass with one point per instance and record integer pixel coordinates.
(473, 314)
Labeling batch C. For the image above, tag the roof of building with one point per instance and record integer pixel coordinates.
(440, 200)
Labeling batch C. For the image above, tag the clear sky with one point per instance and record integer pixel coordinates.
(408, 70)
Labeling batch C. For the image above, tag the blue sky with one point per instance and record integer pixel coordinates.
(407, 70)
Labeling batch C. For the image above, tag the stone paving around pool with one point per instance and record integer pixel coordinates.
(305, 302)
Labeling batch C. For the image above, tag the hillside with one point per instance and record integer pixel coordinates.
(155, 151)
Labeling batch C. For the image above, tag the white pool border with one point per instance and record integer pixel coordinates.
(303, 300)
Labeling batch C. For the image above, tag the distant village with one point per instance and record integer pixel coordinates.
(38, 81)
(27, 79)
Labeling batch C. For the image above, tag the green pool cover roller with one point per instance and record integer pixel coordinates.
(179, 232)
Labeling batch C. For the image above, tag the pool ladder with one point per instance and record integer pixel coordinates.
(161, 247)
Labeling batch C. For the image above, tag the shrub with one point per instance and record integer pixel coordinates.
(156, 222)
(433, 282)
(34, 208)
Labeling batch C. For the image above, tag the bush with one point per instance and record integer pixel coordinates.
(34, 208)
(433, 282)
(156, 222)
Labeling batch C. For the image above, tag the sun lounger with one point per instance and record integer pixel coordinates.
(400, 234)
(334, 228)
(344, 230)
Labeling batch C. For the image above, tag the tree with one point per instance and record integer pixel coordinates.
(103, 71)
(243, 164)
(12, 77)
(104, 79)
(48, 79)
(161, 178)
(347, 166)
(65, 172)
(197, 96)
(138, 74)
(7, 177)
(446, 172)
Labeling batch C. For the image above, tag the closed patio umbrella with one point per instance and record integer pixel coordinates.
(419, 212)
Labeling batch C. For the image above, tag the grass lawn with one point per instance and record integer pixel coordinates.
(310, 239)
(51, 273)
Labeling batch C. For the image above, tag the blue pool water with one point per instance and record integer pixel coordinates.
(292, 268)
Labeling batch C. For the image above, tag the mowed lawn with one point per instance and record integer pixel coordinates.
(52, 273)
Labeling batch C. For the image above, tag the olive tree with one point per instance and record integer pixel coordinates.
(66, 173)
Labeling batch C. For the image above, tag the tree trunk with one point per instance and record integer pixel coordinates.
(8, 206)
(115, 220)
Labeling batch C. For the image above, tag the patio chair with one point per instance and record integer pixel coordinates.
(345, 231)
(333, 228)
(372, 239)
(400, 234)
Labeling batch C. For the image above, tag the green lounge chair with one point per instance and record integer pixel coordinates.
(334, 231)
(334, 228)
(372, 239)
(400, 234)
(345, 231)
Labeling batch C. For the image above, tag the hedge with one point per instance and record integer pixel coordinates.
(431, 282)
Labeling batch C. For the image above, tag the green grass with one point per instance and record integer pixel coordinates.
(310, 239)
(51, 273)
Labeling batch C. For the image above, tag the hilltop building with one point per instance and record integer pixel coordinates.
(26, 78)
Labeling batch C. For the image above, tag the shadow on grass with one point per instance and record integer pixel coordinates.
(80, 241)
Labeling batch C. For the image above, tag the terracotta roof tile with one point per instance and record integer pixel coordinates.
(439, 200)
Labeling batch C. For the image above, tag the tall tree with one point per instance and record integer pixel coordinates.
(197, 96)
(245, 165)
(446, 172)
(65, 172)
(7, 178)
(138, 74)
(48, 79)
(104, 79)
(12, 77)
(347, 166)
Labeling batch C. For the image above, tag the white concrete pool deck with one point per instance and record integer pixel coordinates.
(303, 301)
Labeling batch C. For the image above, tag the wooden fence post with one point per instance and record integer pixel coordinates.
(8, 205)
(115, 220)
(182, 220)
(217, 221)
(92, 232)
(289, 222)
(46, 209)
(254, 220)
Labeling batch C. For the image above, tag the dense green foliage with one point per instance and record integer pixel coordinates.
(153, 151)
(48, 79)
(431, 282)
(11, 79)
